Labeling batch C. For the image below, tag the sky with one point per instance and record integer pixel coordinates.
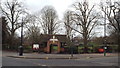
(60, 6)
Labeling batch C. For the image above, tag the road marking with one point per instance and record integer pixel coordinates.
(104, 63)
(43, 65)
(39, 64)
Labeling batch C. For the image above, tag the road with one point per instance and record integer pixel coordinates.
(105, 61)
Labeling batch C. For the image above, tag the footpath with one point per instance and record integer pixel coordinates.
(56, 56)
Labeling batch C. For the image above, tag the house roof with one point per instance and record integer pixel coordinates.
(46, 37)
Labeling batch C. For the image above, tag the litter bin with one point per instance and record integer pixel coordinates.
(20, 50)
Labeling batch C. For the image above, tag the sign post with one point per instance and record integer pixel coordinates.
(35, 47)
(105, 50)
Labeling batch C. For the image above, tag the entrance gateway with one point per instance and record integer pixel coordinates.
(53, 45)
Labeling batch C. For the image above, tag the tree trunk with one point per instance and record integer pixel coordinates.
(11, 39)
(85, 45)
(85, 41)
(118, 41)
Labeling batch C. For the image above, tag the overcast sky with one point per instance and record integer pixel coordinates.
(60, 5)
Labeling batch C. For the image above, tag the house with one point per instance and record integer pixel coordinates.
(53, 43)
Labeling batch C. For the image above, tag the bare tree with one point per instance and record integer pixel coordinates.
(112, 12)
(111, 9)
(13, 11)
(5, 33)
(86, 19)
(49, 20)
(32, 34)
(33, 30)
(68, 21)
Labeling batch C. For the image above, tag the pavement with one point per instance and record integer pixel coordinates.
(56, 56)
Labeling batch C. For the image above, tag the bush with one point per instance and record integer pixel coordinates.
(90, 49)
(114, 48)
(8, 47)
(80, 49)
(27, 48)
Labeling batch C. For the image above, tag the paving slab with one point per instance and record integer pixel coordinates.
(57, 56)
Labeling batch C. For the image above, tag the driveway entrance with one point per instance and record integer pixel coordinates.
(53, 46)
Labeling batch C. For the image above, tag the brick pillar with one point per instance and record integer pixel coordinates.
(48, 47)
(58, 43)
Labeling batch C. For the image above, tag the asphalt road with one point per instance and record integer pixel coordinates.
(105, 61)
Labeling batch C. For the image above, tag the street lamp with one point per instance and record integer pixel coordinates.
(105, 34)
(21, 46)
(72, 47)
(118, 18)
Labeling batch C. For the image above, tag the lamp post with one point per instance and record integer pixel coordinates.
(72, 47)
(21, 46)
(118, 32)
(21, 33)
(105, 35)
